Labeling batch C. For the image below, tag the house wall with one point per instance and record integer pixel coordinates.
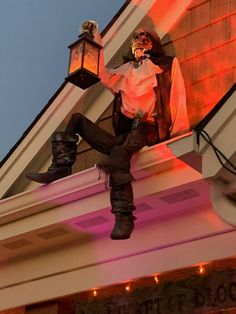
(204, 41)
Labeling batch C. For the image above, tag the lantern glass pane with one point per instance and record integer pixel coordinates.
(91, 58)
(75, 57)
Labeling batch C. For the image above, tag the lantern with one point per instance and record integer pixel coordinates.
(84, 61)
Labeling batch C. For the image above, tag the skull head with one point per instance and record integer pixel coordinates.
(140, 43)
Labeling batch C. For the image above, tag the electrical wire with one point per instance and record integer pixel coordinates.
(220, 156)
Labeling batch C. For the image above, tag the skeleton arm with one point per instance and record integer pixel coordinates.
(107, 76)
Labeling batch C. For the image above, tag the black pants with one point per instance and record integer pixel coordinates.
(119, 151)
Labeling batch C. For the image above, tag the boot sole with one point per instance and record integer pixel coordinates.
(119, 238)
(41, 178)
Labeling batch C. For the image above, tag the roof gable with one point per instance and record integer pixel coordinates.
(33, 152)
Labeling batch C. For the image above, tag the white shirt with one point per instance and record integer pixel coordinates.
(138, 97)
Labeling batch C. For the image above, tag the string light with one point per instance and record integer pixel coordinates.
(156, 279)
(201, 269)
(127, 288)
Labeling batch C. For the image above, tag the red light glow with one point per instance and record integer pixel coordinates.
(201, 270)
(127, 288)
(156, 279)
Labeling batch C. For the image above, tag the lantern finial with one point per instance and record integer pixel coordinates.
(89, 27)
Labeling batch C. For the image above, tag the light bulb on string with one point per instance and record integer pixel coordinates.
(201, 270)
(127, 288)
(156, 279)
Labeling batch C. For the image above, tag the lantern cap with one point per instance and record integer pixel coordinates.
(86, 34)
(87, 37)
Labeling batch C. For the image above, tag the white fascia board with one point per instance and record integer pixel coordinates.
(83, 190)
(185, 148)
(166, 14)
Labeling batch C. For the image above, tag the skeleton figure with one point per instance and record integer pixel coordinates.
(149, 107)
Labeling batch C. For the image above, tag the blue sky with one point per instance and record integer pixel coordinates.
(34, 56)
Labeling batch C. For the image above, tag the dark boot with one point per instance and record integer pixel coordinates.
(117, 165)
(64, 150)
(121, 198)
(123, 227)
